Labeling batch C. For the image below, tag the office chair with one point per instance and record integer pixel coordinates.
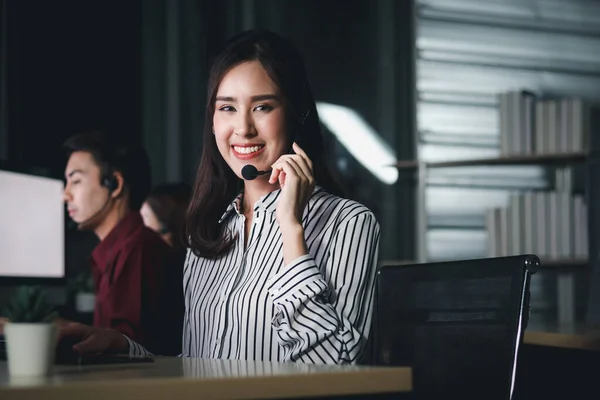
(458, 324)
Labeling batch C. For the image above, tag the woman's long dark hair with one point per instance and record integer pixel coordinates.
(216, 184)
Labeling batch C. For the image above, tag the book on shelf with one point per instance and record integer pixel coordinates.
(532, 125)
(552, 225)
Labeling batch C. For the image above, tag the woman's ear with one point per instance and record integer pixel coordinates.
(120, 185)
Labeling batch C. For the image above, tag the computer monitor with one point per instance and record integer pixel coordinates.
(31, 227)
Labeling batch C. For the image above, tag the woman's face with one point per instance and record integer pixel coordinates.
(149, 218)
(249, 120)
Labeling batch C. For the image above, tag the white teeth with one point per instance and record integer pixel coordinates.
(246, 150)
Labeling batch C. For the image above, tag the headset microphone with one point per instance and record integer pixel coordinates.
(111, 184)
(249, 172)
(84, 224)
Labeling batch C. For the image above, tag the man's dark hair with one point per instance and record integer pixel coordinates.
(112, 155)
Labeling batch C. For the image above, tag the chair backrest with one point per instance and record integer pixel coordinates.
(458, 324)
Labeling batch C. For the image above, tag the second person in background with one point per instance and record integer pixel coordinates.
(163, 211)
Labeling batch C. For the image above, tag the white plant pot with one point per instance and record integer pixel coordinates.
(85, 302)
(30, 348)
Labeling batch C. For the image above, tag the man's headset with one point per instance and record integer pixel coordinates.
(111, 183)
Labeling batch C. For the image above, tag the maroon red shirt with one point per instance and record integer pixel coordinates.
(135, 276)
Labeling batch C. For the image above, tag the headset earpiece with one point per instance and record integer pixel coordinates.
(111, 183)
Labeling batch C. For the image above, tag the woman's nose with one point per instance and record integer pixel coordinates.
(245, 126)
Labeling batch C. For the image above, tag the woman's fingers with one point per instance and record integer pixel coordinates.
(296, 168)
(289, 167)
(274, 173)
(298, 150)
(299, 164)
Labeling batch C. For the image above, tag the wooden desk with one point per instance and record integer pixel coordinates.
(187, 378)
(578, 336)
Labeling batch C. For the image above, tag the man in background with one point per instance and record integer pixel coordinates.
(106, 184)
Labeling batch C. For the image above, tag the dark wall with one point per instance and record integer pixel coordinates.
(73, 65)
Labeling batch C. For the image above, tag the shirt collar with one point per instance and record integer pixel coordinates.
(267, 203)
(235, 205)
(108, 248)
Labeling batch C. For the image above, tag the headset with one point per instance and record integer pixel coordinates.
(110, 182)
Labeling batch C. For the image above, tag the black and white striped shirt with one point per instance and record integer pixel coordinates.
(249, 305)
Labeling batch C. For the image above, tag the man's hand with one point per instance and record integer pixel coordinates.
(61, 322)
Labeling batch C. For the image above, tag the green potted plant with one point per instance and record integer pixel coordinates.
(30, 333)
(82, 290)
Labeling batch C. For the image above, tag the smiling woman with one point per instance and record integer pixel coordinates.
(237, 120)
(279, 268)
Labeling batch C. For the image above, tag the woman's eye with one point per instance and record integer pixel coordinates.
(226, 108)
(264, 107)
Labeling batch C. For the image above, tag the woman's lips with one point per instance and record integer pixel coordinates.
(247, 152)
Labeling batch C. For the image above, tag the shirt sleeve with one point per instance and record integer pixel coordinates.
(136, 349)
(323, 314)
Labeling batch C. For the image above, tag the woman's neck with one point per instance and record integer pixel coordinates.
(254, 190)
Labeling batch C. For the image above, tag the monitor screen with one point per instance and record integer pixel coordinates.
(31, 226)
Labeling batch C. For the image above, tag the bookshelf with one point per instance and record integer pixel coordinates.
(562, 162)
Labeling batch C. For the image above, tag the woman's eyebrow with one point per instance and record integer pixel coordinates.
(263, 97)
(255, 98)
